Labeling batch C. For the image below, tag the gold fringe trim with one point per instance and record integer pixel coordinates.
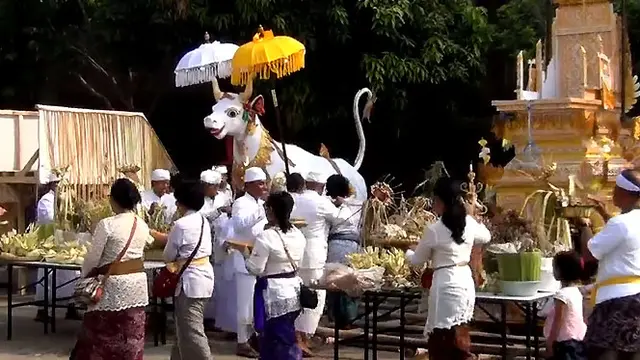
(280, 68)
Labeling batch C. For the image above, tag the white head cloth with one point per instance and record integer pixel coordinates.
(626, 184)
(220, 169)
(210, 177)
(160, 175)
(254, 174)
(46, 176)
(315, 177)
(52, 177)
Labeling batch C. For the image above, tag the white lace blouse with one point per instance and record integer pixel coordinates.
(111, 235)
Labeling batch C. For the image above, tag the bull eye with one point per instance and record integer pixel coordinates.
(232, 113)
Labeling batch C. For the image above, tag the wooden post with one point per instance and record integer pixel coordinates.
(539, 68)
(585, 72)
(519, 75)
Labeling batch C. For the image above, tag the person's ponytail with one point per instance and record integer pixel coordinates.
(284, 224)
(454, 213)
(454, 218)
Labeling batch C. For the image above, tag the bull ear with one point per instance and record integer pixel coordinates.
(258, 103)
(248, 90)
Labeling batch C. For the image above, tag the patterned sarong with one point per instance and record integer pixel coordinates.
(112, 335)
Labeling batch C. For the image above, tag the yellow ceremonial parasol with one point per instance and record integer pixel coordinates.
(268, 57)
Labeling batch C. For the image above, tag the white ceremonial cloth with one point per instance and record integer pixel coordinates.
(320, 214)
(226, 302)
(452, 294)
(617, 248)
(46, 208)
(245, 284)
(225, 306)
(248, 218)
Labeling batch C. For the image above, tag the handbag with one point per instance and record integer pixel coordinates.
(166, 282)
(308, 297)
(90, 290)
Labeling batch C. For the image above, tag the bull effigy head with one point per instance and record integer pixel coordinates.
(232, 113)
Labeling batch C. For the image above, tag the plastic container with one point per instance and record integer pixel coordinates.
(520, 288)
(548, 281)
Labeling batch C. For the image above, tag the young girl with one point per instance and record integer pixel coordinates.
(564, 327)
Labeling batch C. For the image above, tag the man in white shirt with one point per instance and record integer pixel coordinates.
(211, 182)
(212, 211)
(319, 213)
(64, 278)
(225, 187)
(249, 219)
(158, 194)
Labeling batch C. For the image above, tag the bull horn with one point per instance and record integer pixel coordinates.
(217, 94)
(248, 91)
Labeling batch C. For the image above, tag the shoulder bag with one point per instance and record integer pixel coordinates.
(308, 297)
(166, 282)
(90, 290)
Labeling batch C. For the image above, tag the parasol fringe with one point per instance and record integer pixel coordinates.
(203, 74)
(280, 67)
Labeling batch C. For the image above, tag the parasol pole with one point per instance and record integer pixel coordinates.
(623, 60)
(280, 130)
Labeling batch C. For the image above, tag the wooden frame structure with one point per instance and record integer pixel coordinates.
(93, 143)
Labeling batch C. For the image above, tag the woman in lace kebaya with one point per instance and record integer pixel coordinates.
(448, 244)
(114, 328)
(275, 258)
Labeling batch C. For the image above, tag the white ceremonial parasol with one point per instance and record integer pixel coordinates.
(209, 61)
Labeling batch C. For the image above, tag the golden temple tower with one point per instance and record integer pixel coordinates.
(570, 107)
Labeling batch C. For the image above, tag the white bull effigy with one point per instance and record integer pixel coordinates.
(237, 115)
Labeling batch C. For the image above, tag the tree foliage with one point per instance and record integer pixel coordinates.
(114, 50)
(425, 59)
(520, 24)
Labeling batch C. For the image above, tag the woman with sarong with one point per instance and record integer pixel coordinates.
(344, 239)
(114, 328)
(613, 328)
(448, 244)
(274, 260)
